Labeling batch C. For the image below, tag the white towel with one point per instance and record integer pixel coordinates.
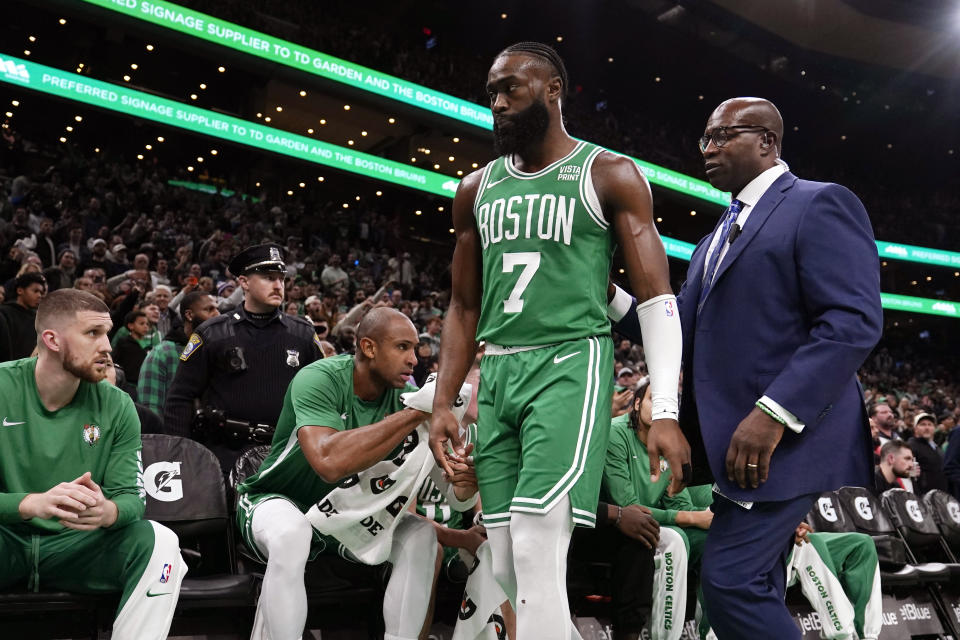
(362, 512)
(480, 617)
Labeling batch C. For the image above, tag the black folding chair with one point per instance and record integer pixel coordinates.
(920, 533)
(184, 492)
(827, 515)
(945, 510)
(898, 566)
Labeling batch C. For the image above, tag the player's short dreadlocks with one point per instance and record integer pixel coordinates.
(545, 52)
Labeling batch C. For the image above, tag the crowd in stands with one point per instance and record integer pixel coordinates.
(82, 224)
(98, 224)
(124, 234)
(120, 231)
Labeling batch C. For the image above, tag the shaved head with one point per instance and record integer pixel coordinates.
(744, 138)
(382, 322)
(385, 358)
(756, 111)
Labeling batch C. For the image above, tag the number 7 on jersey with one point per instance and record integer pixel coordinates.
(531, 262)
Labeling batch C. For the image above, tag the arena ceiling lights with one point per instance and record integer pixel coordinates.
(138, 104)
(200, 25)
(44, 79)
(295, 56)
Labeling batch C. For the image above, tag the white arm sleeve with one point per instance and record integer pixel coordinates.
(663, 347)
(620, 305)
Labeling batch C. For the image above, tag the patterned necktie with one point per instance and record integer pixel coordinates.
(731, 216)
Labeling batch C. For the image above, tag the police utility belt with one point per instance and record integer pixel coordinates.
(213, 425)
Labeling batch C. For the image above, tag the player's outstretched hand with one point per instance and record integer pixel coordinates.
(444, 432)
(637, 523)
(801, 534)
(101, 514)
(63, 501)
(667, 440)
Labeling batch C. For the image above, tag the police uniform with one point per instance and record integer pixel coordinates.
(240, 363)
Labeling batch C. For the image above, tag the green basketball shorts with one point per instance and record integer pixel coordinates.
(543, 428)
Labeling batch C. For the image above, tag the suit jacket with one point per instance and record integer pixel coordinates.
(793, 312)
(931, 466)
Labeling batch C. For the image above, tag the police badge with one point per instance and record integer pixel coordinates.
(293, 358)
(275, 254)
(91, 434)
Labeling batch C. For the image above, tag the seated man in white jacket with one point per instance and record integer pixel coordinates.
(346, 461)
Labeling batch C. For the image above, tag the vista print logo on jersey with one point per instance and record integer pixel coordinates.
(91, 434)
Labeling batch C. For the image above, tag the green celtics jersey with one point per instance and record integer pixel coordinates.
(626, 476)
(546, 251)
(321, 394)
(99, 432)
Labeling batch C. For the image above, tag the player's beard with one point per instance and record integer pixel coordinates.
(88, 371)
(522, 130)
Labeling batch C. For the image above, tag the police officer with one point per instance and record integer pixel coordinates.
(240, 363)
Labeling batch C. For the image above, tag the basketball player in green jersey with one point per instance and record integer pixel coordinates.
(71, 495)
(535, 231)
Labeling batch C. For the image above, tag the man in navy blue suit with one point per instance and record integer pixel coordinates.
(780, 308)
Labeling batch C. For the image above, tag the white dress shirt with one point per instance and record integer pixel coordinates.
(749, 196)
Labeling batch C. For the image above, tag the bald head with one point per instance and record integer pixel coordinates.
(385, 358)
(759, 111)
(383, 322)
(744, 137)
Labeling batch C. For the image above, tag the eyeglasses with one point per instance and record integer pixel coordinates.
(722, 135)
